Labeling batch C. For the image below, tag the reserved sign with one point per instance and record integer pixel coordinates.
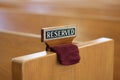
(52, 33)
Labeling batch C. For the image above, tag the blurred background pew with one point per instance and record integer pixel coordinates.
(94, 19)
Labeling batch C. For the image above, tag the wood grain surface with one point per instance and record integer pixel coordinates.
(96, 64)
(14, 46)
(105, 9)
(100, 18)
(88, 29)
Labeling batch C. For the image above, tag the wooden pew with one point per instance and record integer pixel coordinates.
(14, 45)
(84, 9)
(88, 29)
(96, 64)
(18, 44)
(103, 21)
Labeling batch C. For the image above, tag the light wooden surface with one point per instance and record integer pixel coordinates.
(105, 9)
(94, 19)
(88, 29)
(96, 64)
(12, 45)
